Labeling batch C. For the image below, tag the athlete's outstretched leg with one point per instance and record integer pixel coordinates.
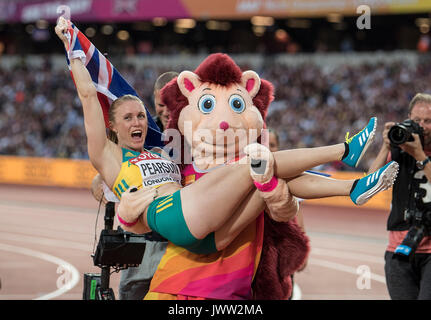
(313, 186)
(350, 152)
(307, 186)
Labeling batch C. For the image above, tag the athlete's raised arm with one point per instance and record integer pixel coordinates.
(100, 148)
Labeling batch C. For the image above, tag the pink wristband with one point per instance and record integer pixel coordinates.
(266, 187)
(127, 224)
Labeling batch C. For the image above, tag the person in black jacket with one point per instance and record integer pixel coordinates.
(408, 270)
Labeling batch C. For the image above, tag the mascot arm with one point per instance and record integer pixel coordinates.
(282, 205)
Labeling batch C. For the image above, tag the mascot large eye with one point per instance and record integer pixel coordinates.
(206, 103)
(237, 103)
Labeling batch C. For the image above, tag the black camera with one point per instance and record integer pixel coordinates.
(117, 249)
(402, 132)
(420, 225)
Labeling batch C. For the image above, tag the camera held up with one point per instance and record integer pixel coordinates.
(418, 215)
(402, 132)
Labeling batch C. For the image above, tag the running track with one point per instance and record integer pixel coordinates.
(47, 237)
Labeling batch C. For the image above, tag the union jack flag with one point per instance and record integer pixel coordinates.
(109, 83)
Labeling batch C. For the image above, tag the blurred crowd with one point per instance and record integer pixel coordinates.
(316, 107)
(40, 112)
(41, 116)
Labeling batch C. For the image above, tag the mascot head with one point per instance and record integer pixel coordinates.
(217, 102)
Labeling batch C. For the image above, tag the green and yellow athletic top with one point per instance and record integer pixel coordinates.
(148, 169)
(164, 214)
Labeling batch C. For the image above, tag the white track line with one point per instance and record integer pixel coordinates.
(337, 253)
(297, 293)
(65, 266)
(344, 268)
(7, 236)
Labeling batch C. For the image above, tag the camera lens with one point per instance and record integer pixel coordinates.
(398, 135)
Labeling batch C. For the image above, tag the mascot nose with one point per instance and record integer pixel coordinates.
(224, 125)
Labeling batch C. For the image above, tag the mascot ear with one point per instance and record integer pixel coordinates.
(187, 82)
(251, 82)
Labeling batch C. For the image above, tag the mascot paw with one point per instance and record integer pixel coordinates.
(261, 162)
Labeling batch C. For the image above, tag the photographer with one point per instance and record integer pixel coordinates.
(408, 255)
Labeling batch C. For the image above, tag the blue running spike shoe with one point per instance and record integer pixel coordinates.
(359, 143)
(365, 188)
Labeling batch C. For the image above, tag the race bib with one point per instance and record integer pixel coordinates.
(156, 170)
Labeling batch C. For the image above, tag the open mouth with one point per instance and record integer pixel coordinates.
(137, 134)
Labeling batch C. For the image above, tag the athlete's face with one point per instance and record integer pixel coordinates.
(421, 113)
(130, 125)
